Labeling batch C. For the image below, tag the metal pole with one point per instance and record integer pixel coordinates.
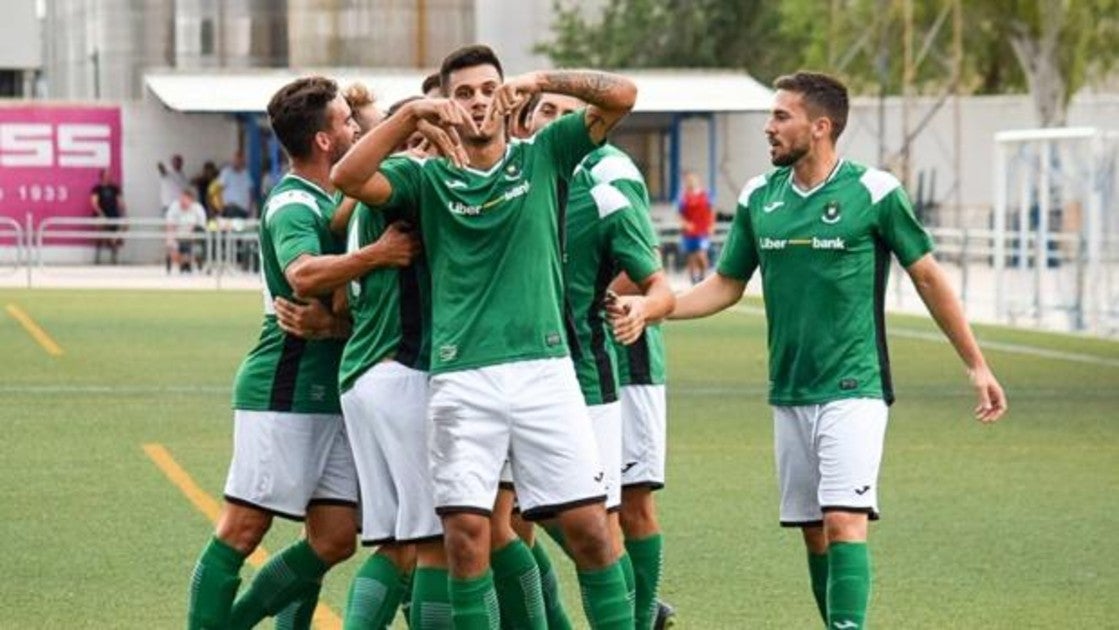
(957, 115)
(1041, 252)
(908, 75)
(999, 226)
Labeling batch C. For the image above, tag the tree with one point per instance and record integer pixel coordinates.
(1059, 45)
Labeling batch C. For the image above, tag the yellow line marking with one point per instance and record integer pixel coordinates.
(325, 618)
(36, 332)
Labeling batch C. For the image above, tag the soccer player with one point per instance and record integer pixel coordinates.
(609, 230)
(290, 453)
(821, 230)
(502, 383)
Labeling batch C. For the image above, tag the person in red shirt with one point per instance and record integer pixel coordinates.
(697, 218)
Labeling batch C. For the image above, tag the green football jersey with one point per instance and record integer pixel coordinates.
(284, 372)
(608, 229)
(824, 256)
(643, 362)
(390, 307)
(492, 243)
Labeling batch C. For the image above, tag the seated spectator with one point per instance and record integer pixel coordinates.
(185, 221)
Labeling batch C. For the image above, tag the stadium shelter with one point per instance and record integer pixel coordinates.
(673, 121)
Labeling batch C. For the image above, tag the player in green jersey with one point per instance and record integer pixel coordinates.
(607, 229)
(502, 382)
(290, 455)
(821, 229)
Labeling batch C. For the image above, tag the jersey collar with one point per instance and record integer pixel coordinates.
(309, 183)
(496, 165)
(808, 193)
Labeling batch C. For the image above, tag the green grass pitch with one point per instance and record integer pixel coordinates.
(983, 527)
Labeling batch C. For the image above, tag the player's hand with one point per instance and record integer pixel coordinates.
(627, 316)
(439, 122)
(513, 95)
(444, 141)
(309, 321)
(396, 247)
(992, 400)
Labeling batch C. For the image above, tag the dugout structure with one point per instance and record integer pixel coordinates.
(1055, 228)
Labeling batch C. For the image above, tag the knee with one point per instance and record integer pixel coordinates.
(467, 537)
(402, 556)
(243, 528)
(587, 534)
(334, 548)
(638, 514)
(845, 526)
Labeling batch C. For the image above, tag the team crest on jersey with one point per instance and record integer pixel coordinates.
(831, 213)
(512, 172)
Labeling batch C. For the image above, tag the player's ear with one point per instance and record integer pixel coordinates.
(821, 128)
(322, 141)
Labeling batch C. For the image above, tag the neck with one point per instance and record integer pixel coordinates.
(814, 167)
(316, 172)
(484, 156)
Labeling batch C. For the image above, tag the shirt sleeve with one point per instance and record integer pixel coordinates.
(404, 174)
(899, 228)
(294, 231)
(567, 140)
(739, 257)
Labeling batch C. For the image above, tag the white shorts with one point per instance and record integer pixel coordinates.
(530, 412)
(828, 457)
(285, 462)
(386, 419)
(644, 442)
(606, 420)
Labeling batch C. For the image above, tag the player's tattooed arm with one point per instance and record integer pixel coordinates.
(609, 96)
(358, 175)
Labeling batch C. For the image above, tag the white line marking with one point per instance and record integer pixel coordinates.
(1014, 348)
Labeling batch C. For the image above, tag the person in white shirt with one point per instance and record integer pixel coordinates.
(185, 219)
(236, 189)
(171, 182)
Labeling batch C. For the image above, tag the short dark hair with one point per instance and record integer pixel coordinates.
(297, 112)
(467, 57)
(401, 103)
(431, 82)
(824, 95)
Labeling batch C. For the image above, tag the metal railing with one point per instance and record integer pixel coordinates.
(1074, 288)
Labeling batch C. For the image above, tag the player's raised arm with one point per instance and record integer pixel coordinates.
(936, 291)
(609, 96)
(357, 174)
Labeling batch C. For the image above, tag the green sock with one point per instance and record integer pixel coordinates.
(627, 573)
(375, 593)
(848, 584)
(549, 586)
(431, 600)
(818, 570)
(474, 603)
(517, 581)
(279, 582)
(604, 598)
(406, 601)
(298, 614)
(214, 585)
(647, 555)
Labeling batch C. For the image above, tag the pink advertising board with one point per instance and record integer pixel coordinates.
(51, 157)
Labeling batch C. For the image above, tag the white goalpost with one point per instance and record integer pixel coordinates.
(1056, 228)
